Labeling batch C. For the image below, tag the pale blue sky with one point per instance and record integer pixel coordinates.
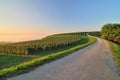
(56, 16)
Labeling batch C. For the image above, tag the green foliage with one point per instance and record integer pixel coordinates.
(41, 60)
(111, 32)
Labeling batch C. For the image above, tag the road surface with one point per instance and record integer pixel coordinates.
(94, 62)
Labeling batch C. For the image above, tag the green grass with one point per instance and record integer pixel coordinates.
(11, 60)
(26, 66)
(115, 48)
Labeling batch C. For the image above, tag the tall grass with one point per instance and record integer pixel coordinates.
(115, 48)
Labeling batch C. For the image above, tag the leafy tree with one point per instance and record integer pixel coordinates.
(111, 32)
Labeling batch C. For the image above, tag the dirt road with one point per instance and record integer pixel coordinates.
(94, 62)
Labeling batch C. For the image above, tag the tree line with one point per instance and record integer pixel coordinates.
(94, 33)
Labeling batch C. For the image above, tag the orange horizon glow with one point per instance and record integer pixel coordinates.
(15, 34)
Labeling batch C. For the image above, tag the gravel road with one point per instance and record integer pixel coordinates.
(94, 62)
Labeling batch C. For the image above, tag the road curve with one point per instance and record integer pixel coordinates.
(94, 62)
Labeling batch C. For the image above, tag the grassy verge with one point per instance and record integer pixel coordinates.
(11, 60)
(115, 48)
(24, 67)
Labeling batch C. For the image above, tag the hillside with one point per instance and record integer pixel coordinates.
(35, 46)
(14, 60)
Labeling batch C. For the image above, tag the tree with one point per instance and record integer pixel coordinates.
(111, 32)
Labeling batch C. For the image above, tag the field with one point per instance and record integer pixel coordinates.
(9, 59)
(36, 46)
(12, 64)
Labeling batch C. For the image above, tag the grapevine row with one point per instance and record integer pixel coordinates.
(45, 44)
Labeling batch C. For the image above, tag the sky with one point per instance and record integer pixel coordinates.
(33, 19)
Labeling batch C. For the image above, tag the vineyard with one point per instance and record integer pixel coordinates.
(43, 45)
(13, 60)
(111, 32)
